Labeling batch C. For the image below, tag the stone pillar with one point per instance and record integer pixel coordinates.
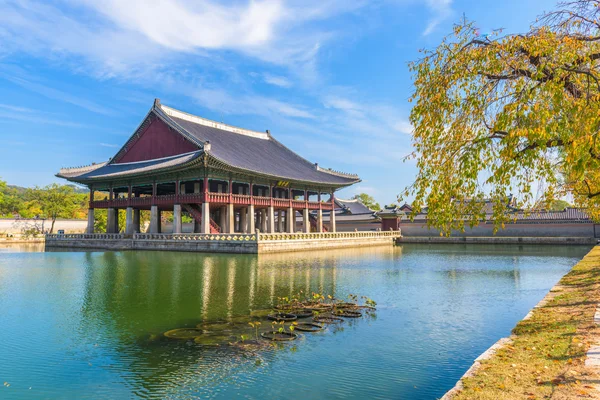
(111, 220)
(251, 224)
(136, 220)
(291, 220)
(279, 221)
(177, 218)
(154, 220)
(223, 219)
(319, 220)
(244, 220)
(271, 220)
(205, 224)
(305, 221)
(230, 218)
(263, 220)
(332, 227)
(129, 221)
(90, 224)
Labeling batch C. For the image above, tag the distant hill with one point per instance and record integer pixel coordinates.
(20, 190)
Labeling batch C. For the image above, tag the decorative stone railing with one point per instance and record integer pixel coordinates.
(327, 235)
(226, 237)
(71, 236)
(222, 237)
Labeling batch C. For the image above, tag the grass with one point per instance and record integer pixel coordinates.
(546, 357)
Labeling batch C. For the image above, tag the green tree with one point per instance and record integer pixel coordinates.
(368, 201)
(56, 201)
(559, 205)
(499, 113)
(10, 201)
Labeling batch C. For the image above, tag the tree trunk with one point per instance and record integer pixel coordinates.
(52, 226)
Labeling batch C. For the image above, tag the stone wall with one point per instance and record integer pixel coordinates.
(321, 244)
(10, 226)
(223, 244)
(558, 240)
(574, 229)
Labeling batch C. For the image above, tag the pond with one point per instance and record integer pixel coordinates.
(91, 324)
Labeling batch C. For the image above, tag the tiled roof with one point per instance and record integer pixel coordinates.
(255, 152)
(568, 214)
(105, 170)
(354, 206)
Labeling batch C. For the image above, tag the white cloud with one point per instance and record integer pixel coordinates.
(277, 81)
(188, 25)
(441, 9)
(109, 145)
(221, 101)
(403, 127)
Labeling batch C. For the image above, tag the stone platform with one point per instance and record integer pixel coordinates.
(223, 243)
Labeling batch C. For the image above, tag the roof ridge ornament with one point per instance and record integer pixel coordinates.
(172, 112)
(334, 172)
(91, 166)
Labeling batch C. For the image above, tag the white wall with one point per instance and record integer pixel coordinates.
(17, 226)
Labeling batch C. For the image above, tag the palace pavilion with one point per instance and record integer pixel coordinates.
(228, 179)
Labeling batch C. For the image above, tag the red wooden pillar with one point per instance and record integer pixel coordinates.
(290, 196)
(270, 195)
(205, 189)
(251, 194)
(177, 190)
(91, 195)
(319, 198)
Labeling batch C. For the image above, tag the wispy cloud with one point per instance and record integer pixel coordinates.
(441, 10)
(27, 116)
(53, 93)
(248, 104)
(16, 108)
(109, 145)
(277, 81)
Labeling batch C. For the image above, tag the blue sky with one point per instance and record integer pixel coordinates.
(328, 78)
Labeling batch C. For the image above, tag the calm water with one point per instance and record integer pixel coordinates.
(90, 324)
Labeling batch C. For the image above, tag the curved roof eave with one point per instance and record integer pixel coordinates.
(279, 177)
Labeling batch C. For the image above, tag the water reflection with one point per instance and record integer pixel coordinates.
(82, 322)
(152, 292)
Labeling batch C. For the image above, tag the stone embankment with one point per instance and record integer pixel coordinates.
(499, 240)
(552, 352)
(224, 243)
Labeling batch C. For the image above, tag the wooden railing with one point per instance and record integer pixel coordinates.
(281, 203)
(262, 201)
(216, 198)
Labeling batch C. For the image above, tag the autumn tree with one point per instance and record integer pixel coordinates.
(56, 201)
(368, 201)
(497, 113)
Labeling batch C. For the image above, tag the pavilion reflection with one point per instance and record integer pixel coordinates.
(131, 298)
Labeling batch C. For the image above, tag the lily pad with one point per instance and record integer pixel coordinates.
(184, 333)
